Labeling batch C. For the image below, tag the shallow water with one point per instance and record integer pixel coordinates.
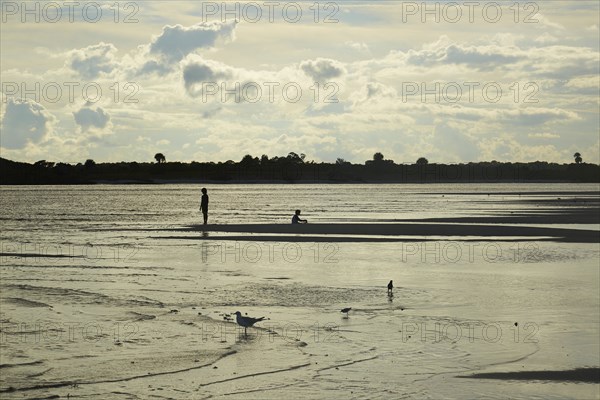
(98, 301)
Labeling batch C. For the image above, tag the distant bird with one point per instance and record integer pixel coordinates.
(346, 310)
(246, 322)
(390, 288)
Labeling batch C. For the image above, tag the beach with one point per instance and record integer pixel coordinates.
(496, 293)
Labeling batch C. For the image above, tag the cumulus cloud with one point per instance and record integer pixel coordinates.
(445, 59)
(374, 112)
(537, 115)
(322, 69)
(376, 89)
(479, 55)
(529, 116)
(563, 62)
(92, 61)
(176, 42)
(444, 51)
(533, 61)
(88, 118)
(374, 96)
(154, 67)
(197, 70)
(24, 121)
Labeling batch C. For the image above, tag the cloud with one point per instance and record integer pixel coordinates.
(507, 148)
(88, 118)
(376, 89)
(538, 59)
(358, 46)
(153, 66)
(563, 62)
(444, 51)
(515, 116)
(584, 82)
(453, 144)
(92, 61)
(374, 96)
(485, 56)
(537, 116)
(544, 22)
(543, 135)
(444, 60)
(24, 121)
(177, 41)
(546, 38)
(170, 62)
(322, 69)
(197, 70)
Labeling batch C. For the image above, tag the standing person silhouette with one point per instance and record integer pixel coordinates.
(297, 220)
(204, 205)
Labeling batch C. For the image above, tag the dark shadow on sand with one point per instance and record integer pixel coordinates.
(408, 229)
(588, 375)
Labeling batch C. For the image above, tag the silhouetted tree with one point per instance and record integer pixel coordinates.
(578, 158)
(248, 161)
(283, 168)
(63, 168)
(422, 161)
(295, 158)
(264, 159)
(377, 157)
(44, 164)
(160, 158)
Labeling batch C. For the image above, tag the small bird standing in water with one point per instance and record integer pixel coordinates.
(390, 289)
(346, 310)
(246, 322)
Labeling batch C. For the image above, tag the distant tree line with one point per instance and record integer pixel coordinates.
(293, 168)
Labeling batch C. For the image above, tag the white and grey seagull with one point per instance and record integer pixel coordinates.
(246, 322)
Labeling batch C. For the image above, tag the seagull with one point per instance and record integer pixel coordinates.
(390, 288)
(346, 310)
(246, 321)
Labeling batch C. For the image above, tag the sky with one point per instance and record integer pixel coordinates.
(213, 81)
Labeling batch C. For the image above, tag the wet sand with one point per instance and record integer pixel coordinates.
(162, 326)
(138, 309)
(403, 229)
(589, 375)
